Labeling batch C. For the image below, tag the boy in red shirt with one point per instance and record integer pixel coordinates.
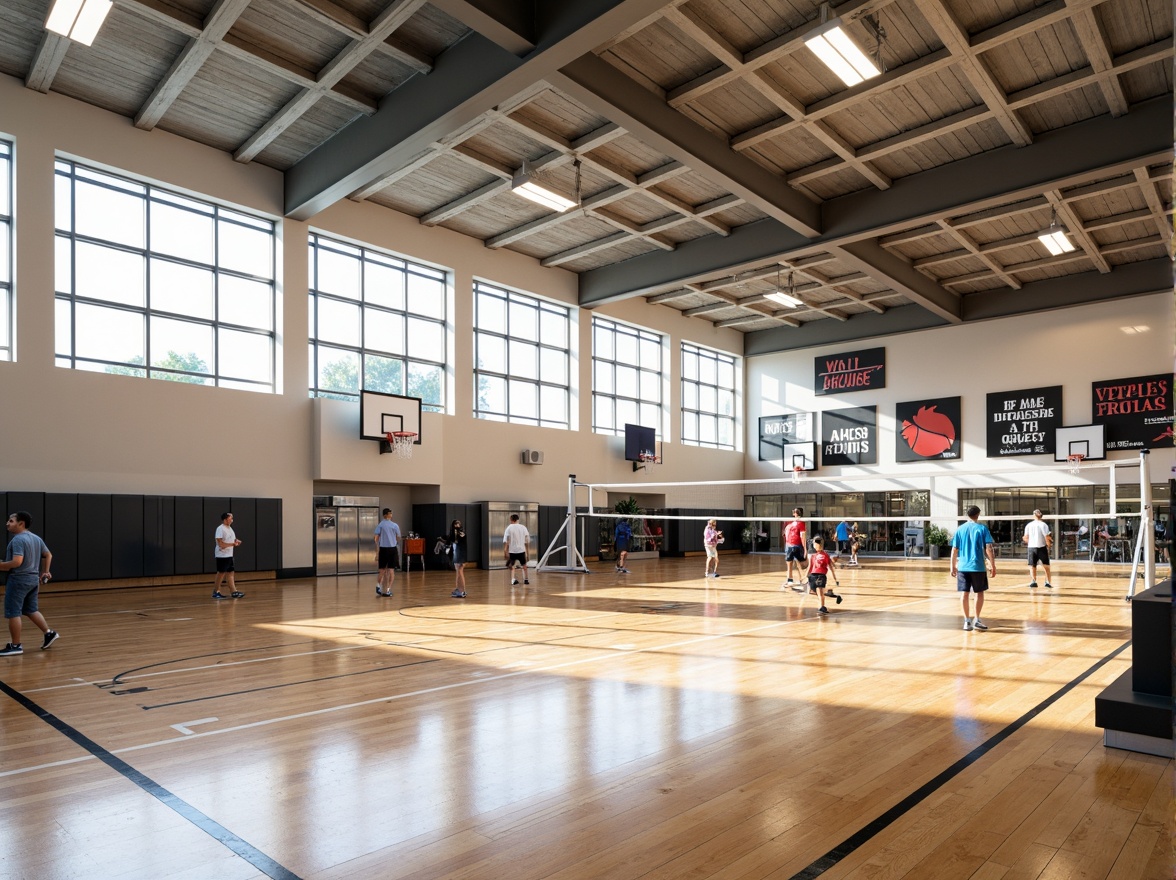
(820, 564)
(792, 537)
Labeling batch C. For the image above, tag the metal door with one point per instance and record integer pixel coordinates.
(498, 518)
(369, 517)
(348, 545)
(325, 550)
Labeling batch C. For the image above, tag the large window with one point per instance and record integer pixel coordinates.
(377, 323)
(626, 377)
(709, 393)
(5, 251)
(522, 354)
(158, 284)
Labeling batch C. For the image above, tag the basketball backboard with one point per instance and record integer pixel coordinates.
(800, 455)
(1088, 441)
(381, 414)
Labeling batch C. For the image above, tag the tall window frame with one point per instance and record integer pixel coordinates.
(6, 249)
(628, 377)
(378, 322)
(522, 358)
(710, 397)
(156, 283)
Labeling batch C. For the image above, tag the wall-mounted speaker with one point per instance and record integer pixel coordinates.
(532, 456)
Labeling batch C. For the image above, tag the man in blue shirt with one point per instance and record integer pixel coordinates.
(842, 537)
(970, 545)
(27, 562)
(387, 539)
(623, 534)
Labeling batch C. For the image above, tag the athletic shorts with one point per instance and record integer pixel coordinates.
(1039, 556)
(817, 581)
(976, 581)
(794, 553)
(712, 551)
(389, 557)
(20, 598)
(843, 546)
(520, 558)
(623, 546)
(224, 563)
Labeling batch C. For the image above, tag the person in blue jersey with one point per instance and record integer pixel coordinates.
(971, 545)
(622, 535)
(27, 562)
(387, 539)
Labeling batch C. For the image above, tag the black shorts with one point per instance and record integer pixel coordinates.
(843, 546)
(794, 553)
(520, 558)
(1039, 556)
(389, 557)
(817, 581)
(224, 563)
(976, 581)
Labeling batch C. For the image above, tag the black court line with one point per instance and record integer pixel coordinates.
(209, 826)
(847, 846)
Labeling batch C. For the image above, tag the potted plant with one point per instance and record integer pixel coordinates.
(747, 538)
(937, 540)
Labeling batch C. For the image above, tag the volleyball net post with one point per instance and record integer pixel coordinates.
(575, 559)
(1145, 544)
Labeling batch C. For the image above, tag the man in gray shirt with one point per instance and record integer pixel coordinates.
(27, 562)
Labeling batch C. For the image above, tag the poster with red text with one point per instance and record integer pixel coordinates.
(1136, 411)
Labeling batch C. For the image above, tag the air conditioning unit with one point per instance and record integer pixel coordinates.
(532, 456)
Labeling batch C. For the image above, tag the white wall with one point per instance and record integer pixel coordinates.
(75, 431)
(1072, 348)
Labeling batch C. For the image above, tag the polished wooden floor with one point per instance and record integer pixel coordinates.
(649, 725)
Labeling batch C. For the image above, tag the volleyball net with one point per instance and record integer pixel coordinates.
(669, 516)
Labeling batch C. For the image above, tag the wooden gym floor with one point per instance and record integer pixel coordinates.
(650, 725)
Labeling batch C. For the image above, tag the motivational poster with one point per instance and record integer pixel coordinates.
(928, 429)
(775, 432)
(849, 436)
(1136, 411)
(850, 371)
(1024, 422)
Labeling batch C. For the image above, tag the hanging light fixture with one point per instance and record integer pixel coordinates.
(78, 19)
(1054, 238)
(829, 42)
(789, 299)
(527, 183)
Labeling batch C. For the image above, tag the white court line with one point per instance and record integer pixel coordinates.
(183, 727)
(611, 654)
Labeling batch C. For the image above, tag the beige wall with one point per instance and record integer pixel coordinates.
(1072, 348)
(88, 432)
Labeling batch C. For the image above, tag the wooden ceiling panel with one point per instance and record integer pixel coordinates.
(21, 24)
(1155, 251)
(506, 144)
(201, 111)
(795, 150)
(748, 24)
(622, 251)
(430, 29)
(1133, 23)
(735, 108)
(1148, 82)
(119, 72)
(631, 153)
(312, 129)
(1065, 109)
(377, 75)
(560, 114)
(283, 28)
(664, 56)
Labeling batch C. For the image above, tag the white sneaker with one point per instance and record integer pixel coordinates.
(967, 625)
(978, 624)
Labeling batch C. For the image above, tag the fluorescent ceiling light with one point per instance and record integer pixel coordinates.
(841, 55)
(1055, 240)
(525, 185)
(79, 20)
(784, 299)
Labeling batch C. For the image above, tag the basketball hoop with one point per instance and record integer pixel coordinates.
(1075, 461)
(400, 443)
(645, 458)
(796, 472)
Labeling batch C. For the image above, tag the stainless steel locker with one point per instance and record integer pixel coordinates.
(348, 537)
(325, 545)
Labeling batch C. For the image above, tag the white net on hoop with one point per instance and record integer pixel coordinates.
(1075, 462)
(796, 474)
(402, 442)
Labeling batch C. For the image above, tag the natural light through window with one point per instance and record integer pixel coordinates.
(377, 323)
(709, 396)
(158, 284)
(522, 353)
(627, 377)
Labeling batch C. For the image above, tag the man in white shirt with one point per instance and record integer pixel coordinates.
(1038, 539)
(514, 548)
(226, 543)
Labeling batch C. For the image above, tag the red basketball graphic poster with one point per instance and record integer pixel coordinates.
(928, 429)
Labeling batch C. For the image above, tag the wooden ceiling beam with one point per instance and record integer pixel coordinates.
(250, 53)
(46, 60)
(223, 16)
(1094, 42)
(1074, 226)
(354, 53)
(985, 256)
(1159, 211)
(1086, 76)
